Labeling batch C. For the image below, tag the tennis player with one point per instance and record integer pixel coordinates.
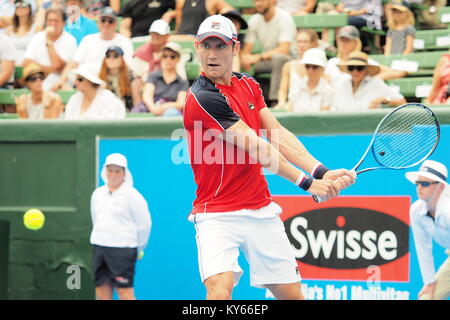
(430, 220)
(224, 117)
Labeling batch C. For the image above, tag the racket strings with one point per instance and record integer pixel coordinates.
(405, 137)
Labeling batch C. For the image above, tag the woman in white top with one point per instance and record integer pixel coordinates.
(293, 70)
(38, 104)
(22, 29)
(363, 91)
(92, 101)
(121, 228)
(313, 92)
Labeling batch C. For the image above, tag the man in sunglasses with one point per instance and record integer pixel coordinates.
(93, 47)
(430, 220)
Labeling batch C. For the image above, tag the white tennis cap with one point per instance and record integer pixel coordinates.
(217, 26)
(120, 160)
(160, 26)
(429, 169)
(314, 56)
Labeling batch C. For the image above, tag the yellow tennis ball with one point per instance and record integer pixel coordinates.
(34, 219)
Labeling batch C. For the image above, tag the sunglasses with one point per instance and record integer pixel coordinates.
(426, 184)
(79, 79)
(171, 56)
(109, 20)
(311, 66)
(33, 78)
(358, 68)
(112, 55)
(21, 5)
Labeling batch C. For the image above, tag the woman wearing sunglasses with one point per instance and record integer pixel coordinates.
(165, 91)
(38, 104)
(363, 90)
(92, 101)
(430, 220)
(117, 75)
(312, 92)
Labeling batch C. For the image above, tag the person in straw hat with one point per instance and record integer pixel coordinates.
(93, 101)
(363, 90)
(430, 220)
(37, 104)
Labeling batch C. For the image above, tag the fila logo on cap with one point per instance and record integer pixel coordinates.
(215, 25)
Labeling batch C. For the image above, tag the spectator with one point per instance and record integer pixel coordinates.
(92, 102)
(121, 228)
(297, 7)
(363, 90)
(148, 59)
(401, 33)
(440, 88)
(93, 47)
(38, 104)
(165, 91)
(7, 56)
(294, 70)
(94, 8)
(7, 8)
(240, 24)
(78, 25)
(22, 29)
(52, 48)
(430, 220)
(197, 11)
(275, 30)
(429, 14)
(117, 76)
(312, 93)
(138, 15)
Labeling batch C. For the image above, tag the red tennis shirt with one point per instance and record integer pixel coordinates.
(227, 178)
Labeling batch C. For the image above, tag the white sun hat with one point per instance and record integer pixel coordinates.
(430, 169)
(120, 160)
(314, 56)
(217, 26)
(89, 72)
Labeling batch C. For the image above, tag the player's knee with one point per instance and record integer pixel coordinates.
(126, 293)
(218, 293)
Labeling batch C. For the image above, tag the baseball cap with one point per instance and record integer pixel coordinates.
(108, 12)
(217, 26)
(349, 32)
(174, 47)
(160, 26)
(430, 169)
(116, 49)
(120, 160)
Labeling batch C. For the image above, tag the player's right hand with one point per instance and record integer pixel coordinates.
(324, 189)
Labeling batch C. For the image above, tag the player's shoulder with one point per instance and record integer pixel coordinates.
(204, 90)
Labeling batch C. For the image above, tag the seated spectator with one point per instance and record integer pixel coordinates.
(138, 15)
(240, 24)
(275, 30)
(294, 70)
(363, 91)
(94, 8)
(117, 76)
(7, 56)
(297, 7)
(197, 11)
(312, 93)
(92, 101)
(38, 104)
(22, 29)
(148, 59)
(78, 25)
(93, 47)
(7, 8)
(51, 49)
(401, 33)
(429, 14)
(165, 91)
(440, 89)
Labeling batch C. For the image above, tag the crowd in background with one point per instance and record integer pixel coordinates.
(89, 46)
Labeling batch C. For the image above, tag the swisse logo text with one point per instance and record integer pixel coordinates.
(347, 238)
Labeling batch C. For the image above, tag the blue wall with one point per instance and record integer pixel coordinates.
(169, 268)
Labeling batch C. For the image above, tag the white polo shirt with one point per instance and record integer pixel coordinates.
(305, 100)
(120, 219)
(425, 229)
(369, 89)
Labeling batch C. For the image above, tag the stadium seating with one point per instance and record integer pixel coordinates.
(241, 4)
(7, 95)
(444, 15)
(412, 87)
(437, 39)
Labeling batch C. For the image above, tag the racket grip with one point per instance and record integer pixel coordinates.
(317, 199)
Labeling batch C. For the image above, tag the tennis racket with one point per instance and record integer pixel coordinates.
(404, 137)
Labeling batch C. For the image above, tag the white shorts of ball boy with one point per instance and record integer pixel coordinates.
(258, 233)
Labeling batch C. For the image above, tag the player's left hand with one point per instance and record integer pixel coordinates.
(342, 178)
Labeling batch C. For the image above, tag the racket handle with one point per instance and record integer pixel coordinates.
(317, 199)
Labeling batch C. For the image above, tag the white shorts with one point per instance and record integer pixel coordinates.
(258, 233)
